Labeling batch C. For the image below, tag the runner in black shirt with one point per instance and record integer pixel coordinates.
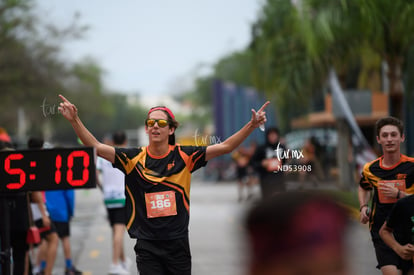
(397, 232)
(388, 178)
(157, 180)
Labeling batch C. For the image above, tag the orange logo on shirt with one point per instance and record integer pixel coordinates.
(170, 165)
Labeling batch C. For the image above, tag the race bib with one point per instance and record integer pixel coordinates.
(160, 204)
(400, 184)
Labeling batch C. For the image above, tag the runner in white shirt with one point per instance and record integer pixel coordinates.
(112, 183)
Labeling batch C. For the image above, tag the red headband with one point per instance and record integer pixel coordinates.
(162, 109)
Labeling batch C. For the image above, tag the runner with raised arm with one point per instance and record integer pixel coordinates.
(157, 185)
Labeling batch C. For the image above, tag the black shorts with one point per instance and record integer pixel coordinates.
(117, 215)
(241, 173)
(63, 229)
(163, 257)
(386, 256)
(45, 231)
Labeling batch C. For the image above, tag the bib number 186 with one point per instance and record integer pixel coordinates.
(160, 204)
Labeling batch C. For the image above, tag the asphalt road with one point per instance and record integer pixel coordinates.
(217, 239)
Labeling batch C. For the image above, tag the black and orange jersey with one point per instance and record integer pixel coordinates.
(373, 173)
(149, 178)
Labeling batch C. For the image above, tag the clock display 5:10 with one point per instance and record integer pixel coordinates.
(48, 169)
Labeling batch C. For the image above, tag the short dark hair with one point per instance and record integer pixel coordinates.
(273, 130)
(389, 121)
(35, 143)
(119, 138)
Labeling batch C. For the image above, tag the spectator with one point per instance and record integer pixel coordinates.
(311, 164)
(244, 171)
(61, 206)
(267, 160)
(46, 257)
(14, 215)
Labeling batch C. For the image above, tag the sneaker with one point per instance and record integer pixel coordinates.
(37, 271)
(117, 269)
(72, 271)
(127, 263)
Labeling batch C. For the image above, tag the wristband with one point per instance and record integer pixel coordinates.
(360, 209)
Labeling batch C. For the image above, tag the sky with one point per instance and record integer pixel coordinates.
(154, 47)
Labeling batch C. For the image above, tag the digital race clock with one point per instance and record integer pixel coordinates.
(47, 169)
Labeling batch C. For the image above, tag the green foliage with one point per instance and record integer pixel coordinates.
(126, 116)
(282, 66)
(200, 97)
(235, 67)
(33, 73)
(295, 45)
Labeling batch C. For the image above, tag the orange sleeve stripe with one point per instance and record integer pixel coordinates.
(195, 161)
(129, 164)
(184, 156)
(188, 158)
(405, 158)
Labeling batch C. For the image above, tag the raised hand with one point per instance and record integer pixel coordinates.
(259, 117)
(67, 109)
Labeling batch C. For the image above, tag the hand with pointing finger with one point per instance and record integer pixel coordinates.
(67, 109)
(259, 117)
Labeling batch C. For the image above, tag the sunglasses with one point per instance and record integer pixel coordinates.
(161, 122)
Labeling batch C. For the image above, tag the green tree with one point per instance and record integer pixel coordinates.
(296, 44)
(387, 26)
(283, 68)
(30, 70)
(127, 115)
(235, 67)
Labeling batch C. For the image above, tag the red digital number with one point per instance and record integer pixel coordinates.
(15, 171)
(85, 172)
(58, 173)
